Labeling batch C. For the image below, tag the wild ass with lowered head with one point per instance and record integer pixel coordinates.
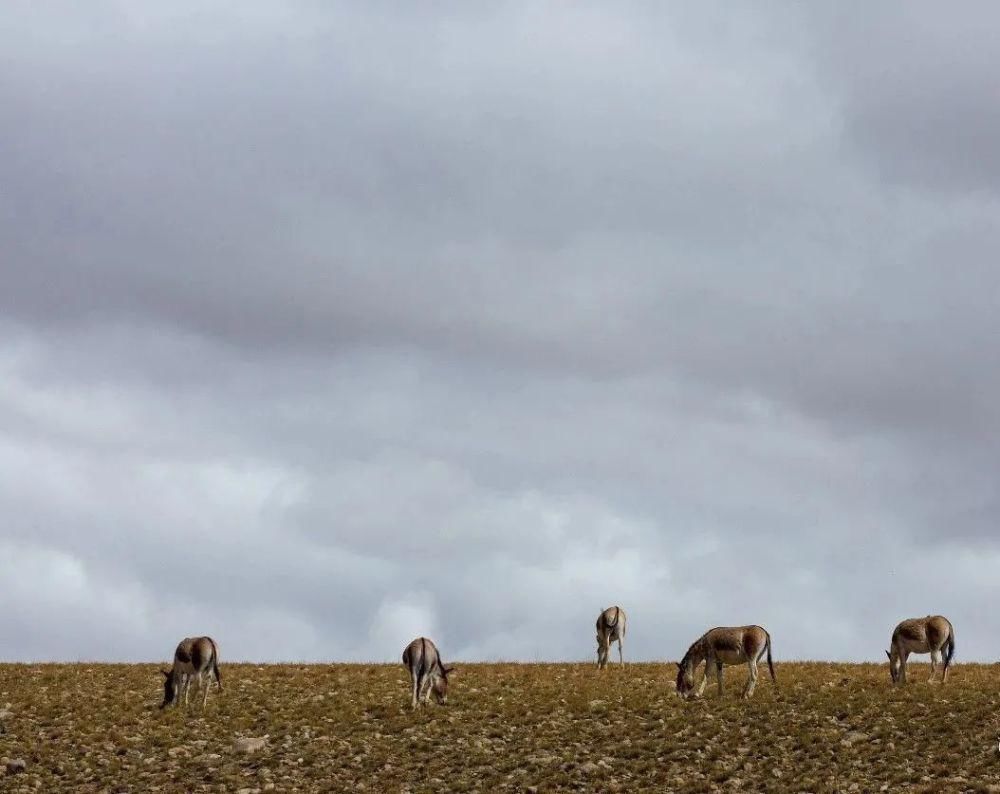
(427, 673)
(610, 628)
(724, 646)
(921, 635)
(195, 657)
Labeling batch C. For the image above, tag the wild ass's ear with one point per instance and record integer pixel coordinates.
(889, 655)
(679, 666)
(450, 671)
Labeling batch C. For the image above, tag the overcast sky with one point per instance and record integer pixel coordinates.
(324, 326)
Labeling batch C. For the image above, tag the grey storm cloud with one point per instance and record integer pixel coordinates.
(327, 325)
(917, 91)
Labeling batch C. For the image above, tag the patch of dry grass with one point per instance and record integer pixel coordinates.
(507, 727)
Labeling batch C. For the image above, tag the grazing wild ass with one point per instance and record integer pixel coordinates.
(724, 646)
(195, 657)
(427, 673)
(610, 628)
(921, 635)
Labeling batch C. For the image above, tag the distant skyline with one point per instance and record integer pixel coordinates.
(323, 326)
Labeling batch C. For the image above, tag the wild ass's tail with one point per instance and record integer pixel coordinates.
(215, 663)
(949, 650)
(770, 664)
(424, 669)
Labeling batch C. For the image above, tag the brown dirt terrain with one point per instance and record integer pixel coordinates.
(507, 727)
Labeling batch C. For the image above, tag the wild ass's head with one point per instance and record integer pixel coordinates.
(439, 684)
(603, 648)
(894, 665)
(685, 677)
(169, 688)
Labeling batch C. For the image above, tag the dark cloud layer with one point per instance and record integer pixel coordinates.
(327, 326)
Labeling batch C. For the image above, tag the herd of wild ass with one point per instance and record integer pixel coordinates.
(197, 658)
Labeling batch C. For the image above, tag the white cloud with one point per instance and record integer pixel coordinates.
(400, 618)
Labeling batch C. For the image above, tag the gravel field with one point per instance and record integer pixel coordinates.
(507, 727)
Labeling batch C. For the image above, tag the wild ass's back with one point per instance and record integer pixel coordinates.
(195, 658)
(720, 647)
(932, 634)
(611, 625)
(428, 675)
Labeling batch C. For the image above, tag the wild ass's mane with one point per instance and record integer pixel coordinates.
(695, 652)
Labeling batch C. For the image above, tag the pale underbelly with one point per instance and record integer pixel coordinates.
(731, 657)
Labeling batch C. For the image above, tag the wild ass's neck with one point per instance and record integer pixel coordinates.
(695, 654)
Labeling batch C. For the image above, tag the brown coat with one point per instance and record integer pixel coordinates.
(427, 673)
(725, 645)
(931, 634)
(611, 625)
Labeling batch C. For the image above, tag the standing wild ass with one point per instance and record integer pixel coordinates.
(724, 646)
(921, 635)
(195, 657)
(610, 628)
(427, 673)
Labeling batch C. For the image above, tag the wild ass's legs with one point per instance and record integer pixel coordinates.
(752, 680)
(704, 680)
(718, 676)
(621, 653)
(934, 664)
(415, 695)
(205, 682)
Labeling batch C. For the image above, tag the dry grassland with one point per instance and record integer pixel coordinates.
(507, 727)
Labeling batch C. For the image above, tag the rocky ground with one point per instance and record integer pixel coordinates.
(827, 727)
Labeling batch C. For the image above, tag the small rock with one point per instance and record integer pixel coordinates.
(853, 737)
(250, 744)
(16, 765)
(589, 767)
